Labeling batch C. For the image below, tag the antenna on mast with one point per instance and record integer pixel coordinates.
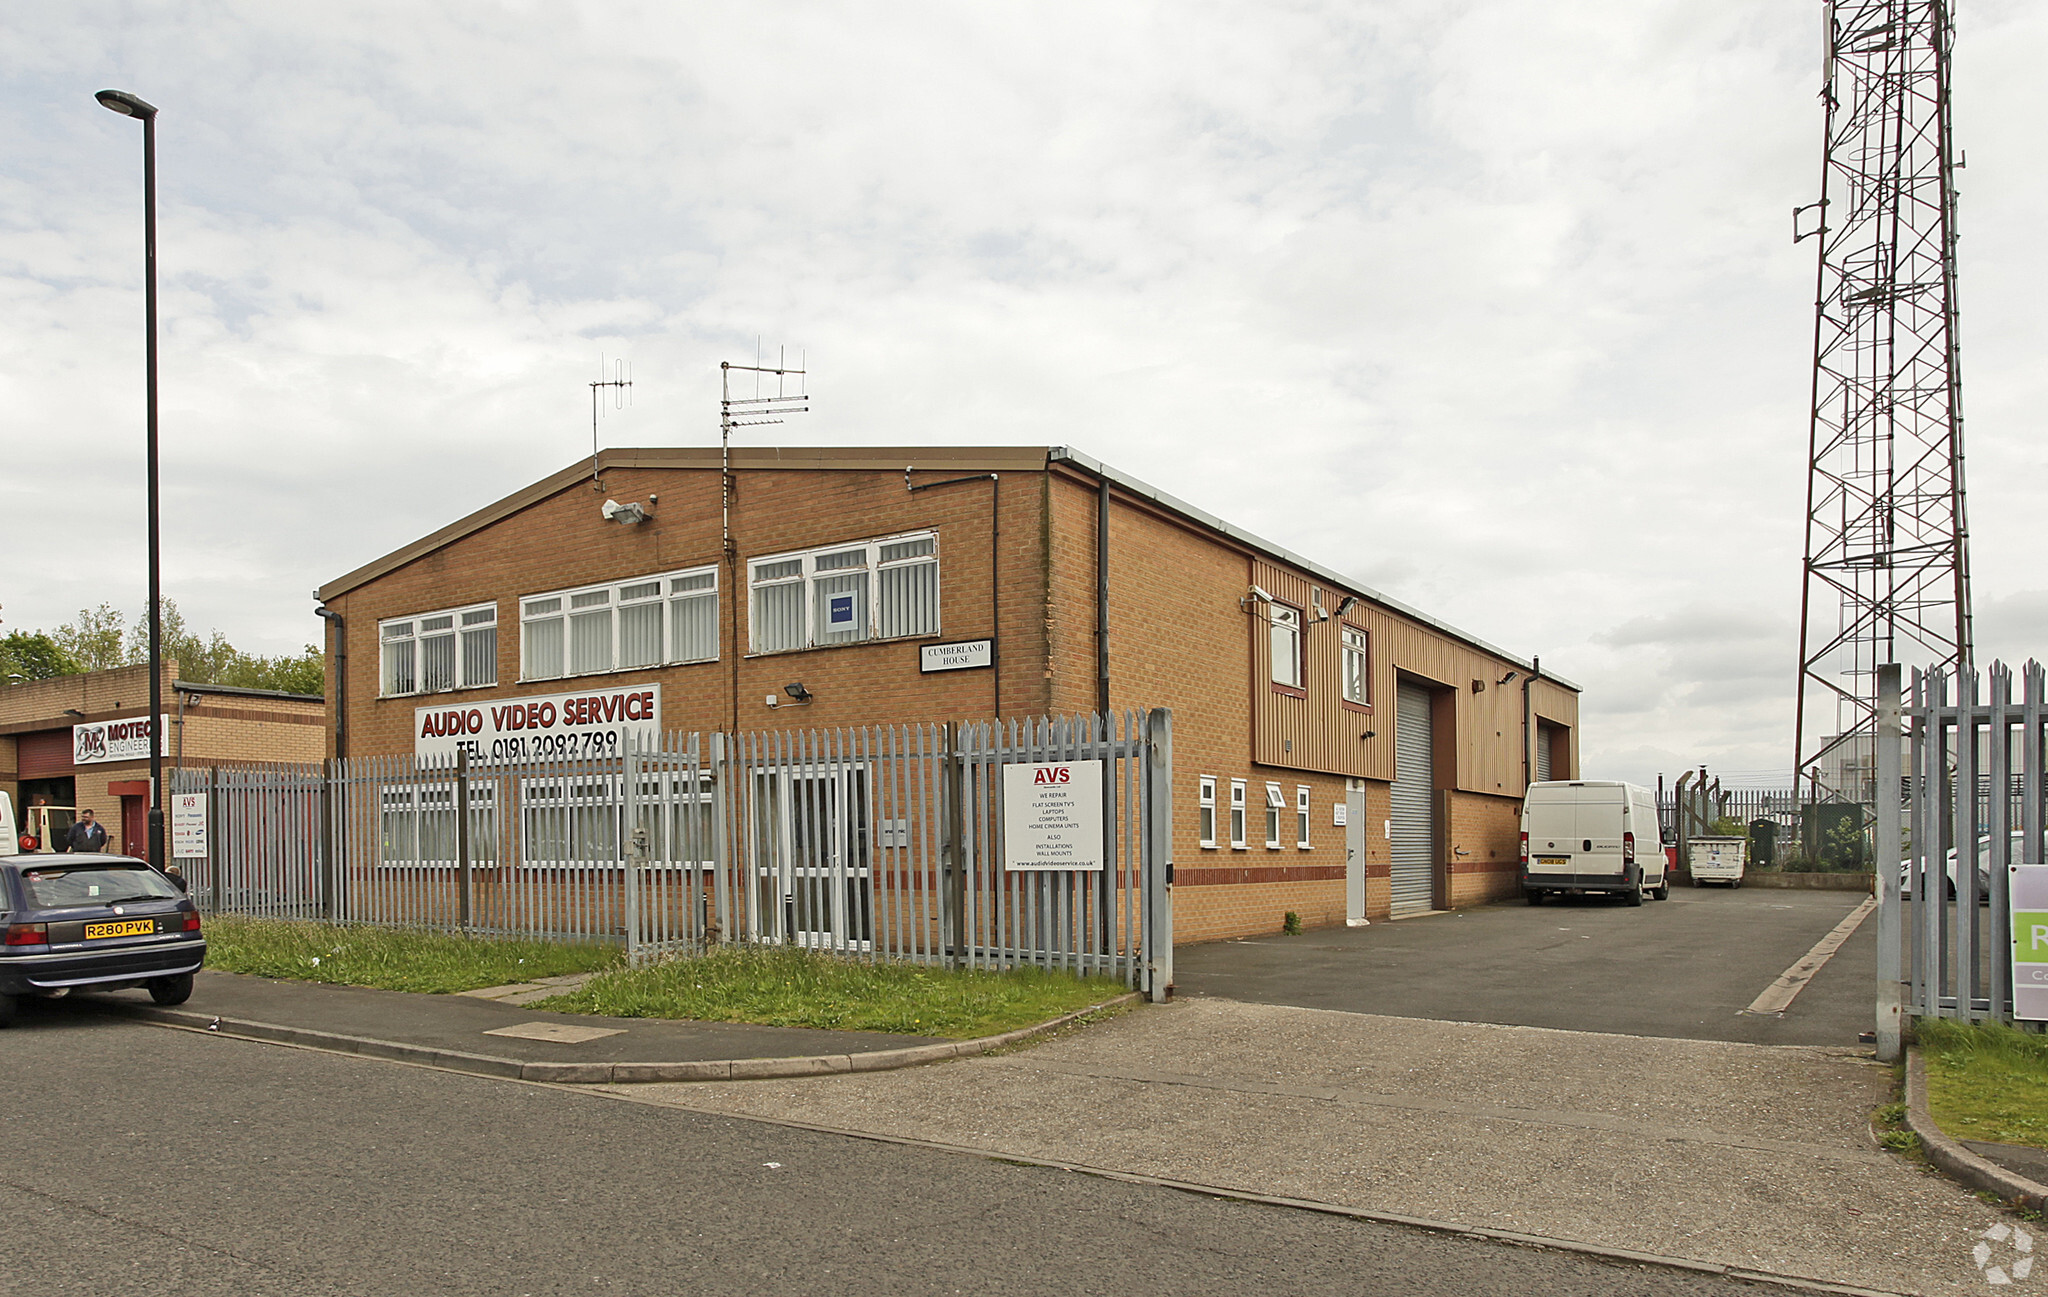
(753, 412)
(621, 383)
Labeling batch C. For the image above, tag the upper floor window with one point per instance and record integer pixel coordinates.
(438, 651)
(1207, 800)
(1285, 627)
(1357, 682)
(645, 622)
(846, 594)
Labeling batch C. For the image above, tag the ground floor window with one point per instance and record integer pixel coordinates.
(418, 823)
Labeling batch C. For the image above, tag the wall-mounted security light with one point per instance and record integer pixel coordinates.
(1478, 686)
(1506, 678)
(73, 711)
(797, 693)
(626, 515)
(1370, 734)
(1346, 604)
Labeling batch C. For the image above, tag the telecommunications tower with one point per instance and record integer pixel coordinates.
(1887, 560)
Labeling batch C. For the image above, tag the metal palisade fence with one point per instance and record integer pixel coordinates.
(1967, 806)
(878, 841)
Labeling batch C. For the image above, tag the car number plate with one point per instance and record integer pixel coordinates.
(120, 928)
(1553, 860)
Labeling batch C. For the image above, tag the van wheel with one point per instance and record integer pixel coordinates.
(171, 990)
(1634, 895)
(1535, 896)
(1661, 891)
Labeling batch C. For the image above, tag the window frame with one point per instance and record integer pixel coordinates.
(808, 574)
(1239, 815)
(416, 638)
(1274, 628)
(407, 804)
(666, 599)
(1205, 816)
(1276, 802)
(1301, 817)
(1363, 652)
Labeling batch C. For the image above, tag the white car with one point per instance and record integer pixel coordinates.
(2019, 854)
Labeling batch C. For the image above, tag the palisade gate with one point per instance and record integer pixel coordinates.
(884, 842)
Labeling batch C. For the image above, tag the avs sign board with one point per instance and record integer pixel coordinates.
(963, 656)
(188, 826)
(593, 723)
(98, 741)
(1052, 816)
(2030, 942)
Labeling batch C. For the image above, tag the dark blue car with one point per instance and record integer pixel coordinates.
(97, 921)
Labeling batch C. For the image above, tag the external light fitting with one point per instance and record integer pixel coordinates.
(1346, 604)
(73, 711)
(797, 693)
(625, 515)
(120, 101)
(1506, 678)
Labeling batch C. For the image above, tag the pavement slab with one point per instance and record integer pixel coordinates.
(1751, 1156)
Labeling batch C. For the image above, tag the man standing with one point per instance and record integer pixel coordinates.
(87, 834)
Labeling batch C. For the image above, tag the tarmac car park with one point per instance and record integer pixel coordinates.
(94, 922)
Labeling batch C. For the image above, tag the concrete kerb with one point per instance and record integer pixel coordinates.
(724, 1069)
(1955, 1161)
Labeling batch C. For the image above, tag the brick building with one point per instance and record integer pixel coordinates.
(1336, 754)
(83, 740)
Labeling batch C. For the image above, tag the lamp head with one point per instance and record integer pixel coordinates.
(797, 693)
(120, 101)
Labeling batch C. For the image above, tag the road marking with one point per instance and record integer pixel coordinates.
(1778, 996)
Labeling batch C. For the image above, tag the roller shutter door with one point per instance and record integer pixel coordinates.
(1542, 753)
(43, 754)
(1414, 797)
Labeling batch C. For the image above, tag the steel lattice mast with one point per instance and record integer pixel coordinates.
(1887, 569)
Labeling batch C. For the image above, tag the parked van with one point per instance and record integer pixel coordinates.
(8, 845)
(1719, 860)
(1586, 835)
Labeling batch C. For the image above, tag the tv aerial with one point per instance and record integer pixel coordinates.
(621, 386)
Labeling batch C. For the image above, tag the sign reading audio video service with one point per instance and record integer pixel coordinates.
(2030, 942)
(1052, 815)
(97, 741)
(592, 723)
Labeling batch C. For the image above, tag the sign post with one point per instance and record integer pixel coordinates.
(1052, 816)
(2029, 940)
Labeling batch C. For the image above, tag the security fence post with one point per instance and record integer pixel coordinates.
(1890, 799)
(635, 847)
(953, 894)
(462, 829)
(1158, 862)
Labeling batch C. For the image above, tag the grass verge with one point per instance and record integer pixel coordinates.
(1986, 1080)
(785, 987)
(392, 959)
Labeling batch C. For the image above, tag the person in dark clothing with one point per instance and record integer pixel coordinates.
(88, 834)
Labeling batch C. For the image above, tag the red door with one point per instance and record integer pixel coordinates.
(134, 826)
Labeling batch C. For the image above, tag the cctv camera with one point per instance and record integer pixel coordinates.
(1259, 593)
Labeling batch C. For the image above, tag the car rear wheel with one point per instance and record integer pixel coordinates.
(171, 990)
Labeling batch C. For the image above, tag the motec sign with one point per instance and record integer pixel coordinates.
(1052, 816)
(97, 741)
(595, 723)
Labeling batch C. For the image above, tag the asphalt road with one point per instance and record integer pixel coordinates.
(142, 1160)
(1685, 967)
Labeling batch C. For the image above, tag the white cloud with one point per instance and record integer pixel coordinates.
(1493, 306)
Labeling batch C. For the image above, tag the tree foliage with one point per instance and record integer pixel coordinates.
(99, 639)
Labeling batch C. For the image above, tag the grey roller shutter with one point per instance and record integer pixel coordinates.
(1414, 802)
(1542, 753)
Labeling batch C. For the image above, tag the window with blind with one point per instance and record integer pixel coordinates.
(644, 622)
(845, 594)
(438, 651)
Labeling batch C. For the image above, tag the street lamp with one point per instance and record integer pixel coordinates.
(128, 105)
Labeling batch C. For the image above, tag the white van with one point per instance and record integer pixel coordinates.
(9, 845)
(1586, 835)
(1719, 860)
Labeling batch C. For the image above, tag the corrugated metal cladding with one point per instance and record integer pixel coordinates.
(1414, 844)
(1542, 753)
(43, 754)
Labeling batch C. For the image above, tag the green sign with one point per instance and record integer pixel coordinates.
(2030, 937)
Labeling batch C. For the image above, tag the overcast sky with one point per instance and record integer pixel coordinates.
(1493, 306)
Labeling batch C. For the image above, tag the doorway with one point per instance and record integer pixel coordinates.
(134, 826)
(1414, 801)
(814, 868)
